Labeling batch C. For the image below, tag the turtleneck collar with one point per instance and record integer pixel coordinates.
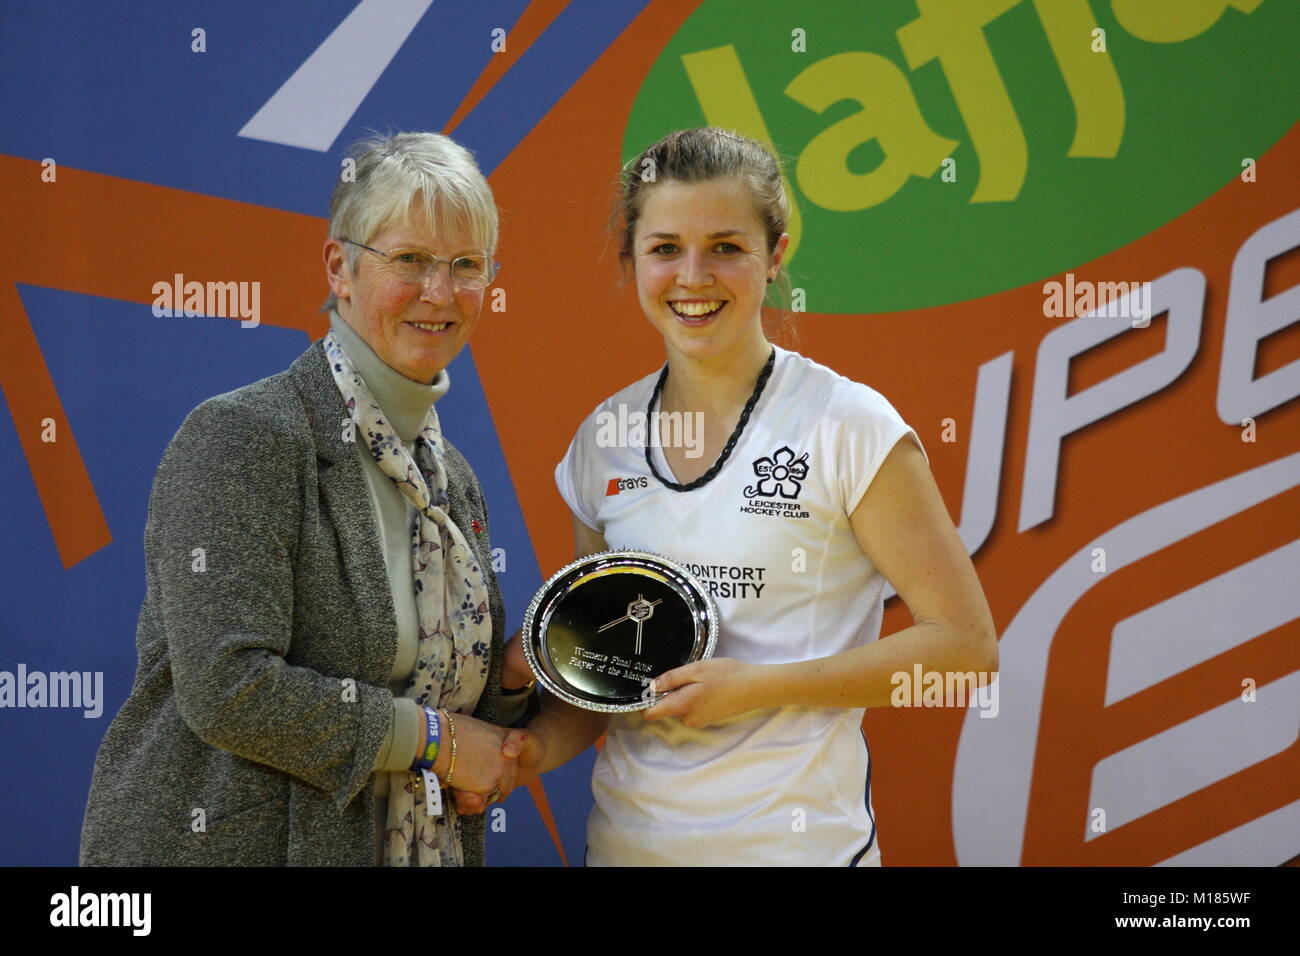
(405, 402)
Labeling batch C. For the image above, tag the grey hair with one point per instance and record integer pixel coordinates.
(390, 172)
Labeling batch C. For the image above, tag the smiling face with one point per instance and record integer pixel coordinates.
(702, 265)
(417, 330)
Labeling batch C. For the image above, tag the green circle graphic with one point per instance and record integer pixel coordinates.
(901, 130)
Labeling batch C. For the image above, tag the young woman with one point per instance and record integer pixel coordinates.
(803, 503)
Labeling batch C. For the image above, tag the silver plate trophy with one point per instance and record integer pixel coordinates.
(604, 626)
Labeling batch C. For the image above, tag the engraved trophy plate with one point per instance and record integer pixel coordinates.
(604, 626)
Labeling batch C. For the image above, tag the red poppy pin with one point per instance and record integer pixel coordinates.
(476, 525)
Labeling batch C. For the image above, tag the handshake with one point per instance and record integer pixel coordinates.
(492, 761)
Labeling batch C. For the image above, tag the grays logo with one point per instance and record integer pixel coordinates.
(624, 484)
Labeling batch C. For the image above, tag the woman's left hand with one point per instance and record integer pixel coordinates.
(707, 692)
(515, 672)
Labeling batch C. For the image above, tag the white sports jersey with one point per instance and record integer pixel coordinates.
(770, 538)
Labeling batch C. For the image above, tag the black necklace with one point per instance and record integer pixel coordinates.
(712, 473)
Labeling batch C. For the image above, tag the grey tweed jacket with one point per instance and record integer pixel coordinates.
(266, 641)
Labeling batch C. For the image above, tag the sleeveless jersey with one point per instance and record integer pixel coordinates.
(770, 539)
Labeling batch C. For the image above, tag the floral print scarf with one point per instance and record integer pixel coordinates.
(451, 599)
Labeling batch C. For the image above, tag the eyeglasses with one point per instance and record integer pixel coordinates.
(416, 267)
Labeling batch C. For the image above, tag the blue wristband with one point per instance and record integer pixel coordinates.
(432, 738)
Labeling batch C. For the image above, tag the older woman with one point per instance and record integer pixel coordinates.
(321, 641)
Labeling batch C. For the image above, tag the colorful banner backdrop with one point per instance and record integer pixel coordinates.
(1061, 236)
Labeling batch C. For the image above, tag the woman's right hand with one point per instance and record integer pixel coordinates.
(481, 765)
(529, 749)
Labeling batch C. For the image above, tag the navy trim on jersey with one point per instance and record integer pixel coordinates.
(866, 799)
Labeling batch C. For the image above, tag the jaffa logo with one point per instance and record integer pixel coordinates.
(986, 120)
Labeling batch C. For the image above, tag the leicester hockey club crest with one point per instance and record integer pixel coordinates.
(782, 474)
